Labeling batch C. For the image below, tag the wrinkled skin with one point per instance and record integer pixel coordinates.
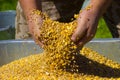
(87, 21)
(86, 28)
(35, 31)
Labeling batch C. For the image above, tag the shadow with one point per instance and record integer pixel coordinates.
(90, 67)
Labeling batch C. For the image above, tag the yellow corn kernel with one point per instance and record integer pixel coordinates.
(60, 60)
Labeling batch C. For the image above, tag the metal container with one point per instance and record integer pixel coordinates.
(7, 19)
(11, 50)
(7, 24)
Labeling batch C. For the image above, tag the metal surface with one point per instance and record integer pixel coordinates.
(7, 24)
(109, 48)
(7, 19)
(14, 49)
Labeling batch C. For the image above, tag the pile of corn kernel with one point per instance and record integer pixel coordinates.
(92, 66)
(60, 60)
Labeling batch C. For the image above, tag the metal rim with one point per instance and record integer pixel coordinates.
(32, 41)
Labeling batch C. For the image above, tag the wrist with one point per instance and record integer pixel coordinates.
(34, 16)
(35, 19)
(91, 11)
(100, 6)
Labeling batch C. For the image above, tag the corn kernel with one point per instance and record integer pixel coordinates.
(60, 60)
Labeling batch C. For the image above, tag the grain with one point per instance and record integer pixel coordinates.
(61, 60)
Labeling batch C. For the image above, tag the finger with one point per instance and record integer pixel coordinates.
(40, 42)
(79, 31)
(89, 35)
(79, 48)
(37, 41)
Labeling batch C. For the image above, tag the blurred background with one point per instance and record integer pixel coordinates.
(7, 19)
(7, 26)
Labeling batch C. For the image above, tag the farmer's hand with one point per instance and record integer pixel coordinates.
(86, 27)
(88, 21)
(34, 24)
(34, 21)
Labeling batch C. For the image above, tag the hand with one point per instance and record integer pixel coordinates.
(34, 24)
(86, 27)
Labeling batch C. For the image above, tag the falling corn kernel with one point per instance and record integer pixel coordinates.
(60, 60)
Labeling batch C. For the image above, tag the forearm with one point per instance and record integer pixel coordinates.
(100, 6)
(34, 21)
(29, 5)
